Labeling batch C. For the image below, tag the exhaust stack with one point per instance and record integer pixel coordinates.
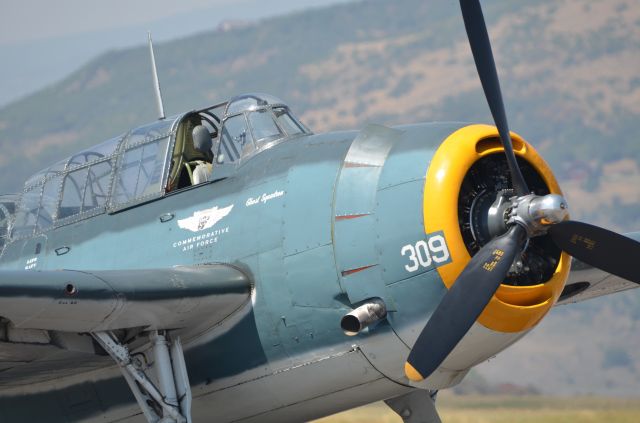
(363, 316)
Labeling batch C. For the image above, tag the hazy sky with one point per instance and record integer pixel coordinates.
(37, 19)
(42, 41)
(28, 20)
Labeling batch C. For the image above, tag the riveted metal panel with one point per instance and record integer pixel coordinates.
(356, 248)
(371, 146)
(291, 386)
(264, 205)
(355, 220)
(33, 253)
(410, 157)
(318, 290)
(308, 208)
(416, 298)
(329, 374)
(271, 294)
(356, 192)
(332, 403)
(400, 223)
(365, 284)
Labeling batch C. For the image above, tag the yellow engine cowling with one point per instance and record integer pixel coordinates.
(513, 310)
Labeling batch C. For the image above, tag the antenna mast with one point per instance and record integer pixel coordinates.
(156, 82)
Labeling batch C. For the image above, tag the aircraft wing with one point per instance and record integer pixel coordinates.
(586, 282)
(50, 320)
(106, 300)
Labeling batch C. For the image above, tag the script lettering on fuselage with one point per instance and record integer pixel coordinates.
(264, 198)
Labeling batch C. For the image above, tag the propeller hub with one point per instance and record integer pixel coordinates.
(498, 213)
(537, 213)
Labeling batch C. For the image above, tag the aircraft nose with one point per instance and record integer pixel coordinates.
(381, 251)
(397, 228)
(378, 227)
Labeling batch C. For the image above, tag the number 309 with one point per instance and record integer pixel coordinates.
(426, 254)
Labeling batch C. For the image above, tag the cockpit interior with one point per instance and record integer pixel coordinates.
(151, 161)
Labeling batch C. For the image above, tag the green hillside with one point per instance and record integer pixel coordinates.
(570, 76)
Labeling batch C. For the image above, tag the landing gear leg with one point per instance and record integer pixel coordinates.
(171, 402)
(418, 406)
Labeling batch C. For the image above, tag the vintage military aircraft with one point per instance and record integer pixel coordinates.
(224, 286)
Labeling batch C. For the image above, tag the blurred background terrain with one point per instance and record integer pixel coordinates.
(570, 73)
(508, 409)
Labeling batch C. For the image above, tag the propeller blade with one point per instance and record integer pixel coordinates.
(464, 302)
(483, 56)
(601, 248)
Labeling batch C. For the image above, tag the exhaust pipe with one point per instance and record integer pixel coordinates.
(363, 316)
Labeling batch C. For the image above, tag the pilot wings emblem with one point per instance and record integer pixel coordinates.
(204, 219)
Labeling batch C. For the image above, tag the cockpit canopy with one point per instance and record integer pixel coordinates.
(150, 161)
(254, 122)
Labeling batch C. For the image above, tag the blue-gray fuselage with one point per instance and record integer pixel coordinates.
(315, 229)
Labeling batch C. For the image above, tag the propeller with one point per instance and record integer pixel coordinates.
(530, 216)
(483, 56)
(601, 248)
(464, 302)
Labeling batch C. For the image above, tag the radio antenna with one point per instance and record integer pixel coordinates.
(156, 81)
